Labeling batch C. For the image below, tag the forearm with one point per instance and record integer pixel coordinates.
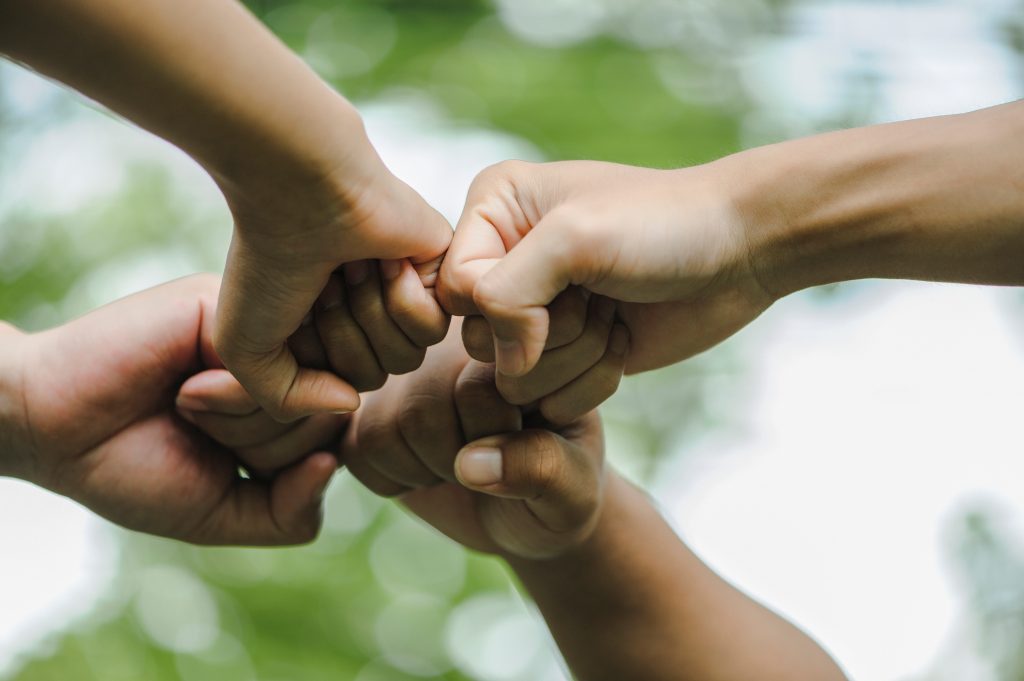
(15, 456)
(634, 602)
(203, 74)
(934, 199)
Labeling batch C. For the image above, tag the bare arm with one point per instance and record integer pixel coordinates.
(938, 199)
(15, 459)
(203, 74)
(623, 596)
(635, 602)
(307, 190)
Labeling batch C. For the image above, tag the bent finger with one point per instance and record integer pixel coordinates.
(559, 367)
(411, 305)
(587, 392)
(514, 294)
(347, 348)
(395, 352)
(320, 431)
(284, 511)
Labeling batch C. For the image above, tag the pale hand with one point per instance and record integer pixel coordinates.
(287, 253)
(667, 246)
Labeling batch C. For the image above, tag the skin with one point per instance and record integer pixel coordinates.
(88, 410)
(577, 535)
(308, 192)
(692, 255)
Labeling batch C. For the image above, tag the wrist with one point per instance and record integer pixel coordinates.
(16, 457)
(330, 160)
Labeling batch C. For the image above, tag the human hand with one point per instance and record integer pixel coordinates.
(285, 268)
(667, 246)
(445, 440)
(99, 425)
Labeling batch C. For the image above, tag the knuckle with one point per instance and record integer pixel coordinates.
(608, 381)
(371, 379)
(455, 285)
(307, 531)
(366, 308)
(374, 436)
(436, 332)
(405, 307)
(559, 412)
(488, 294)
(402, 362)
(503, 170)
(544, 460)
(568, 326)
(514, 390)
(593, 341)
(279, 411)
(477, 339)
(336, 327)
(475, 389)
(417, 418)
(375, 482)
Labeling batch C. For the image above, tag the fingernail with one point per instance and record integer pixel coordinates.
(480, 466)
(619, 340)
(390, 269)
(188, 403)
(357, 272)
(510, 357)
(606, 309)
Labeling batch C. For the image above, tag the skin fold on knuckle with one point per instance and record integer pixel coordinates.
(491, 295)
(357, 465)
(565, 482)
(539, 462)
(349, 355)
(477, 339)
(517, 391)
(473, 391)
(417, 419)
(568, 317)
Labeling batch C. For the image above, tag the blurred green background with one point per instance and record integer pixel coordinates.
(379, 597)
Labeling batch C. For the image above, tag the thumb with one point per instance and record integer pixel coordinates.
(406, 226)
(284, 511)
(559, 482)
(513, 295)
(296, 497)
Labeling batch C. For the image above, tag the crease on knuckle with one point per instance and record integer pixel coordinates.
(514, 390)
(488, 294)
(417, 418)
(367, 309)
(473, 390)
(544, 462)
(404, 307)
